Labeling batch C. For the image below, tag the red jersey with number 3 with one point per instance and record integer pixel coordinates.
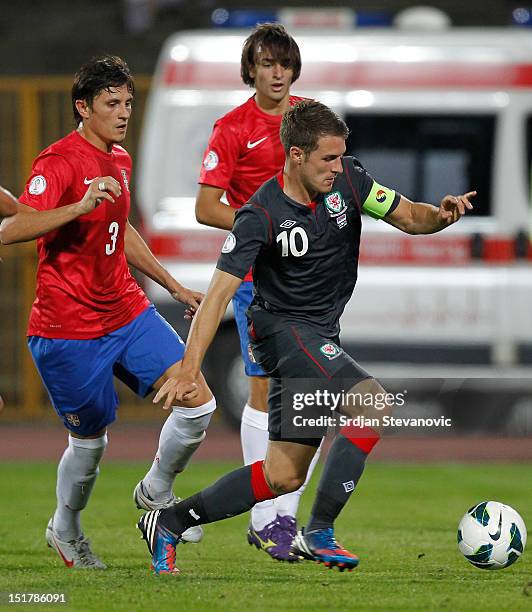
(244, 151)
(84, 286)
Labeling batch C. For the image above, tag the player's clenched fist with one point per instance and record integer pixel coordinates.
(101, 188)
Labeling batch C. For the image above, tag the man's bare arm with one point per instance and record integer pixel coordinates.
(139, 255)
(222, 288)
(420, 218)
(8, 203)
(210, 210)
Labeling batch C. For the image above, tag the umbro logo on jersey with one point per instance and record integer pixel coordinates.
(288, 224)
(88, 181)
(252, 145)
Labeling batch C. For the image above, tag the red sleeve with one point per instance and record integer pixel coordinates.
(221, 156)
(50, 179)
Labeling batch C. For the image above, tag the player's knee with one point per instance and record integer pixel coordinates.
(369, 389)
(89, 451)
(286, 482)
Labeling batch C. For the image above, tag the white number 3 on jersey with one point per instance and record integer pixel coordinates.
(113, 231)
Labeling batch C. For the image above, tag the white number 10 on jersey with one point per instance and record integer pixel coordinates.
(289, 243)
(113, 231)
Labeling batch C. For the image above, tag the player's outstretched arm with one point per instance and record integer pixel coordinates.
(29, 223)
(210, 210)
(420, 218)
(8, 203)
(222, 288)
(139, 255)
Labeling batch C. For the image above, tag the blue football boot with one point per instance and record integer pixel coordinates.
(320, 546)
(161, 543)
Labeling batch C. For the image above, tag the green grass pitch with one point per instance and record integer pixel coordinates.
(402, 522)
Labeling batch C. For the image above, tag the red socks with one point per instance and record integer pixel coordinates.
(261, 488)
(364, 438)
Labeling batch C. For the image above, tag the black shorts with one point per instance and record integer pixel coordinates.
(288, 350)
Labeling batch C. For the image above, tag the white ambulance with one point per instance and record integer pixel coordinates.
(429, 114)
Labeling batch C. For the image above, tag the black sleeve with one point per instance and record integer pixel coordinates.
(376, 200)
(251, 231)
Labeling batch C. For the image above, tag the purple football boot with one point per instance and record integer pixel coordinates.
(274, 539)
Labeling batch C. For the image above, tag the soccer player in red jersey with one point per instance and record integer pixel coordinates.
(90, 319)
(243, 152)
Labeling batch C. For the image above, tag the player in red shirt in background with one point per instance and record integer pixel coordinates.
(90, 319)
(243, 152)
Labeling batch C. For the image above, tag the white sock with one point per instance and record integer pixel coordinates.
(182, 433)
(76, 475)
(254, 438)
(288, 503)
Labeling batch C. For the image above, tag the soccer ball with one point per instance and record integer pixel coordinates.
(491, 535)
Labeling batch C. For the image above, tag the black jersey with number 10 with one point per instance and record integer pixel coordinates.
(305, 261)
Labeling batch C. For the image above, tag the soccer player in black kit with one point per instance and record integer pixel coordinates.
(300, 231)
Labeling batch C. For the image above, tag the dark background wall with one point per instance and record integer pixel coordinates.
(56, 36)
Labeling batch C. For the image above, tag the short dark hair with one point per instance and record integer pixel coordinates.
(282, 47)
(308, 120)
(98, 74)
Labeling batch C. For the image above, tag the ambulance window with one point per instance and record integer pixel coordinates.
(425, 157)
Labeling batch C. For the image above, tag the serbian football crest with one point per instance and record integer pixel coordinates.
(73, 419)
(330, 350)
(335, 203)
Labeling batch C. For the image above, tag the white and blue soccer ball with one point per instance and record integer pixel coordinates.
(491, 535)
